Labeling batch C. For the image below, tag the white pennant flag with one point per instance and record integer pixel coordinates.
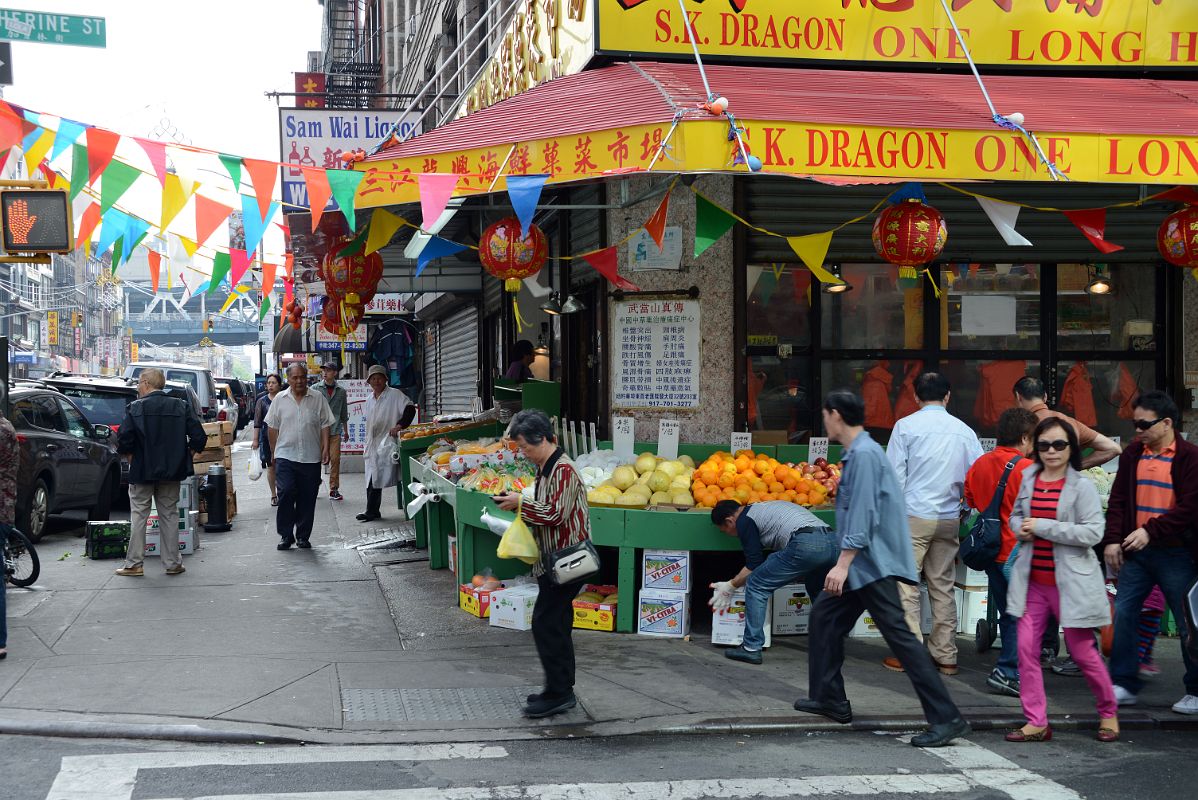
(1004, 215)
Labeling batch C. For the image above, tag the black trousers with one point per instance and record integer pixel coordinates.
(374, 499)
(552, 626)
(297, 484)
(833, 617)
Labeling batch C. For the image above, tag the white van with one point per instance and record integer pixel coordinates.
(198, 378)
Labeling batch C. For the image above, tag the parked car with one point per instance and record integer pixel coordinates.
(199, 378)
(184, 392)
(243, 395)
(103, 400)
(226, 406)
(66, 462)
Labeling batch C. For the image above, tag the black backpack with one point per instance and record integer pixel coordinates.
(980, 548)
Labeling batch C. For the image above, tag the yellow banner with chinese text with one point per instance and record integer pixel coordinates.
(1055, 33)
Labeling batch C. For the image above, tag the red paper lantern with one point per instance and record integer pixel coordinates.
(352, 278)
(340, 318)
(1177, 238)
(509, 257)
(909, 234)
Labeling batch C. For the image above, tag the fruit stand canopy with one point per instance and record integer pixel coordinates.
(846, 124)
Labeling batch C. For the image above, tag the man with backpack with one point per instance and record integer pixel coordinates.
(1007, 461)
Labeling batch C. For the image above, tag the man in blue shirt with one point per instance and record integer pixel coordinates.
(875, 556)
(802, 545)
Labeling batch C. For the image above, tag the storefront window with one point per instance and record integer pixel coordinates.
(888, 388)
(990, 306)
(983, 389)
(1121, 319)
(1100, 393)
(779, 305)
(780, 399)
(878, 313)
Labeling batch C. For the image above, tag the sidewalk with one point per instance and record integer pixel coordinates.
(338, 644)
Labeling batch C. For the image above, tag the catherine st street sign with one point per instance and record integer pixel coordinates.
(49, 28)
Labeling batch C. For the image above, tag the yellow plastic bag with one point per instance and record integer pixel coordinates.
(518, 542)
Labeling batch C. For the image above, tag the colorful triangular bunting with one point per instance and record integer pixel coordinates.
(239, 263)
(221, 264)
(68, 133)
(155, 259)
(157, 152)
(812, 249)
(116, 181)
(1003, 216)
(383, 225)
(525, 192)
(78, 170)
(101, 146)
(1092, 223)
(209, 216)
(36, 153)
(263, 175)
(254, 225)
(344, 184)
(605, 263)
(711, 223)
(232, 165)
(319, 193)
(656, 226)
(435, 191)
(175, 193)
(436, 248)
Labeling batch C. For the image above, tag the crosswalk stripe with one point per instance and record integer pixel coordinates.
(992, 770)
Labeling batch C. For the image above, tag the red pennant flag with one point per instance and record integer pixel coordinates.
(209, 215)
(288, 292)
(101, 146)
(319, 193)
(656, 226)
(262, 175)
(50, 175)
(604, 262)
(157, 153)
(87, 224)
(11, 127)
(1180, 194)
(239, 264)
(1092, 223)
(155, 266)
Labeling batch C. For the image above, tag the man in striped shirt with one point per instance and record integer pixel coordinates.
(1151, 538)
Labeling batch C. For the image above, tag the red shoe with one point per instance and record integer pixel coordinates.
(1107, 735)
(1018, 735)
(893, 664)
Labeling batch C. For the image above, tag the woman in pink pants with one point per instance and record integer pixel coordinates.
(1058, 519)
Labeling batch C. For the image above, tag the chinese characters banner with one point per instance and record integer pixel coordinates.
(356, 393)
(1055, 33)
(656, 354)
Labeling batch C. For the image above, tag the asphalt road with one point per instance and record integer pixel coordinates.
(1147, 764)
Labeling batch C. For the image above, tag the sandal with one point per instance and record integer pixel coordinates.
(1018, 735)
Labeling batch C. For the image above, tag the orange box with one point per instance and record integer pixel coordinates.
(475, 602)
(595, 616)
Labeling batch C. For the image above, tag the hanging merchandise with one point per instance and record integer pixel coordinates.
(907, 403)
(391, 346)
(1177, 238)
(909, 234)
(1126, 391)
(352, 278)
(994, 390)
(875, 391)
(1077, 395)
(511, 257)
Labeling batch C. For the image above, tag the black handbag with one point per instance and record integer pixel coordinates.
(979, 549)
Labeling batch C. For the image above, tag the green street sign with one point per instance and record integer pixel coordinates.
(41, 26)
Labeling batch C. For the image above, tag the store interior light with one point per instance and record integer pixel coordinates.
(1100, 282)
(836, 288)
(552, 306)
(541, 349)
(572, 305)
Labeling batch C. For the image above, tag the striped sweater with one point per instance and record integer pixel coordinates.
(559, 516)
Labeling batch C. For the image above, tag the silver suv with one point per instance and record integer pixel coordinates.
(198, 378)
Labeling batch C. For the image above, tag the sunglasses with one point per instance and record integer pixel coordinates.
(1145, 424)
(1058, 445)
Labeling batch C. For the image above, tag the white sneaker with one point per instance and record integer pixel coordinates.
(1126, 698)
(1187, 705)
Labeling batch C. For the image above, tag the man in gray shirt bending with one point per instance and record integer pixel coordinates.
(803, 545)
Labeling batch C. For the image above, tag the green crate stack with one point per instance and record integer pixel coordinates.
(107, 539)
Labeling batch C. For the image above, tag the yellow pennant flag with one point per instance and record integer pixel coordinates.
(238, 291)
(37, 151)
(812, 249)
(189, 246)
(175, 193)
(383, 225)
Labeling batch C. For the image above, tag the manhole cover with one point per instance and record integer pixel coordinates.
(434, 705)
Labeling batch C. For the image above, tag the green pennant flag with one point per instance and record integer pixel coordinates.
(115, 181)
(221, 265)
(78, 169)
(264, 308)
(356, 245)
(344, 183)
(711, 223)
(233, 167)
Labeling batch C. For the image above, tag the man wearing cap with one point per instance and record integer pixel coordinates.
(339, 405)
(388, 411)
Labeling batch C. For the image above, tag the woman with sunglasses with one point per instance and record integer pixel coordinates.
(1057, 519)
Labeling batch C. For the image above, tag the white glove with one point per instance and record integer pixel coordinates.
(721, 600)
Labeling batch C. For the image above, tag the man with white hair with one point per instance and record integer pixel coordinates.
(298, 421)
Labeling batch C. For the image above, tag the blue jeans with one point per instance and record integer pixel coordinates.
(1174, 570)
(810, 554)
(1008, 654)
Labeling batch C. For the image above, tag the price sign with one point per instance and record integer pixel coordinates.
(1112, 466)
(623, 432)
(668, 431)
(741, 440)
(818, 448)
(988, 445)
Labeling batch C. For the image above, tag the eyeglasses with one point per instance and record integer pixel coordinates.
(1058, 445)
(1145, 424)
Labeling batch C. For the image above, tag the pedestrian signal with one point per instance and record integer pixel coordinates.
(36, 221)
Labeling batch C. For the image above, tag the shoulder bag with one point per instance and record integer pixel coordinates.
(980, 548)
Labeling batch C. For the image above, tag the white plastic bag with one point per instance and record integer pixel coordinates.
(255, 466)
(387, 450)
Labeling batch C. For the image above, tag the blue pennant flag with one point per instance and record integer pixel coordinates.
(436, 248)
(255, 226)
(908, 191)
(68, 133)
(112, 226)
(135, 230)
(525, 192)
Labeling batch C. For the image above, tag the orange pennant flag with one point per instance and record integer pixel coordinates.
(319, 192)
(209, 215)
(87, 225)
(11, 131)
(656, 226)
(101, 146)
(155, 266)
(268, 277)
(263, 175)
(289, 266)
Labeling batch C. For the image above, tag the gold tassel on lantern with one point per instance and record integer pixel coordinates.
(520, 321)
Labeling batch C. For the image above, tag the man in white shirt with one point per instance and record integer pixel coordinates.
(931, 450)
(298, 426)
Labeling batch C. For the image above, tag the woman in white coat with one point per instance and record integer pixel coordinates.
(1057, 519)
(388, 411)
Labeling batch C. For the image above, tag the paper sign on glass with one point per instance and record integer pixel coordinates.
(668, 431)
(741, 440)
(988, 315)
(988, 445)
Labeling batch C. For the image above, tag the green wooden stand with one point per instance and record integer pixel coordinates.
(543, 395)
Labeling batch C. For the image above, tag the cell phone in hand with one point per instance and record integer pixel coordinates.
(496, 499)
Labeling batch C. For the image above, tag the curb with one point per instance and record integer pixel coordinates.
(122, 730)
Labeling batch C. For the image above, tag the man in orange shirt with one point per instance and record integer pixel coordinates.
(1030, 394)
(1015, 427)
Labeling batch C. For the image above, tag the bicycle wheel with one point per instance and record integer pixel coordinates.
(21, 564)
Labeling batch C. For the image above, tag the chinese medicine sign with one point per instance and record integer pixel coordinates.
(656, 354)
(385, 304)
(356, 392)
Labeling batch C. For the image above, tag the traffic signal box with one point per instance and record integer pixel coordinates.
(36, 221)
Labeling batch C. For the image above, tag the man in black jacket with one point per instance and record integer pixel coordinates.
(158, 436)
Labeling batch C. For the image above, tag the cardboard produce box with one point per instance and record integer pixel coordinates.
(666, 569)
(664, 613)
(791, 611)
(512, 608)
(188, 541)
(729, 627)
(967, 578)
(108, 539)
(594, 616)
(474, 601)
(971, 608)
(213, 432)
(865, 628)
(189, 493)
(453, 554)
